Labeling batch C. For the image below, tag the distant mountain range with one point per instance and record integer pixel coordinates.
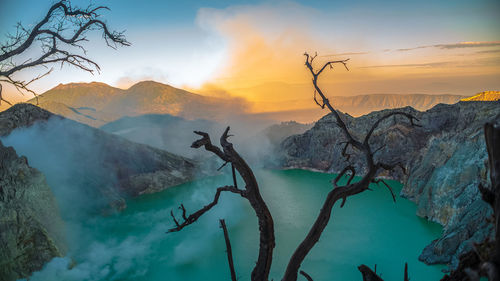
(364, 104)
(360, 105)
(96, 103)
(485, 96)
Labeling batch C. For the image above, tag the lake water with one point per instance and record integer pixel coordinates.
(133, 245)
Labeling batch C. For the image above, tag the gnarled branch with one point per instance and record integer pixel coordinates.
(341, 192)
(49, 34)
(250, 192)
(196, 215)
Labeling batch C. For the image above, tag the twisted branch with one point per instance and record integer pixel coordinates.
(196, 215)
(49, 34)
(250, 192)
(338, 192)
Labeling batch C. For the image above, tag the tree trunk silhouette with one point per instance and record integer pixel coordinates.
(350, 189)
(252, 194)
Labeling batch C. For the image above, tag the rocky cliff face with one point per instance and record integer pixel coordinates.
(445, 159)
(31, 228)
(104, 160)
(89, 171)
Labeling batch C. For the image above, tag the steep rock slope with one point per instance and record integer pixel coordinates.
(31, 228)
(113, 165)
(445, 159)
(89, 172)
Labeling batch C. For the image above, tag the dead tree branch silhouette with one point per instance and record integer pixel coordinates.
(251, 190)
(60, 35)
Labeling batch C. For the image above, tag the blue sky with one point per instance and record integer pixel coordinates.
(241, 44)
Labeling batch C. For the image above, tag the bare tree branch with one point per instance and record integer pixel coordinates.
(394, 113)
(1, 97)
(405, 277)
(49, 34)
(228, 250)
(207, 143)
(307, 276)
(251, 192)
(338, 192)
(377, 181)
(233, 172)
(196, 215)
(368, 274)
(343, 172)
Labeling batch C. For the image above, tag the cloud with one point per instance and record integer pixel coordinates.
(263, 47)
(494, 61)
(470, 44)
(429, 64)
(411, 49)
(265, 44)
(346, 54)
(489, 52)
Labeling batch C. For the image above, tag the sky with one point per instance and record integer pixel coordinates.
(254, 49)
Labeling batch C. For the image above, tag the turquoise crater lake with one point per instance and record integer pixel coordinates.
(133, 245)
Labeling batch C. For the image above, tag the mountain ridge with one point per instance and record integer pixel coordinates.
(484, 96)
(97, 103)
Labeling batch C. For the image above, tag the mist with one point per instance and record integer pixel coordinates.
(133, 254)
(70, 158)
(175, 134)
(75, 161)
(133, 244)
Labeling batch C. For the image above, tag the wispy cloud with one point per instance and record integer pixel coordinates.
(489, 51)
(471, 44)
(468, 45)
(346, 54)
(494, 61)
(430, 64)
(411, 49)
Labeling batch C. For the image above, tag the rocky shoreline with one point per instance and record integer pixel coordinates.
(445, 160)
(102, 170)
